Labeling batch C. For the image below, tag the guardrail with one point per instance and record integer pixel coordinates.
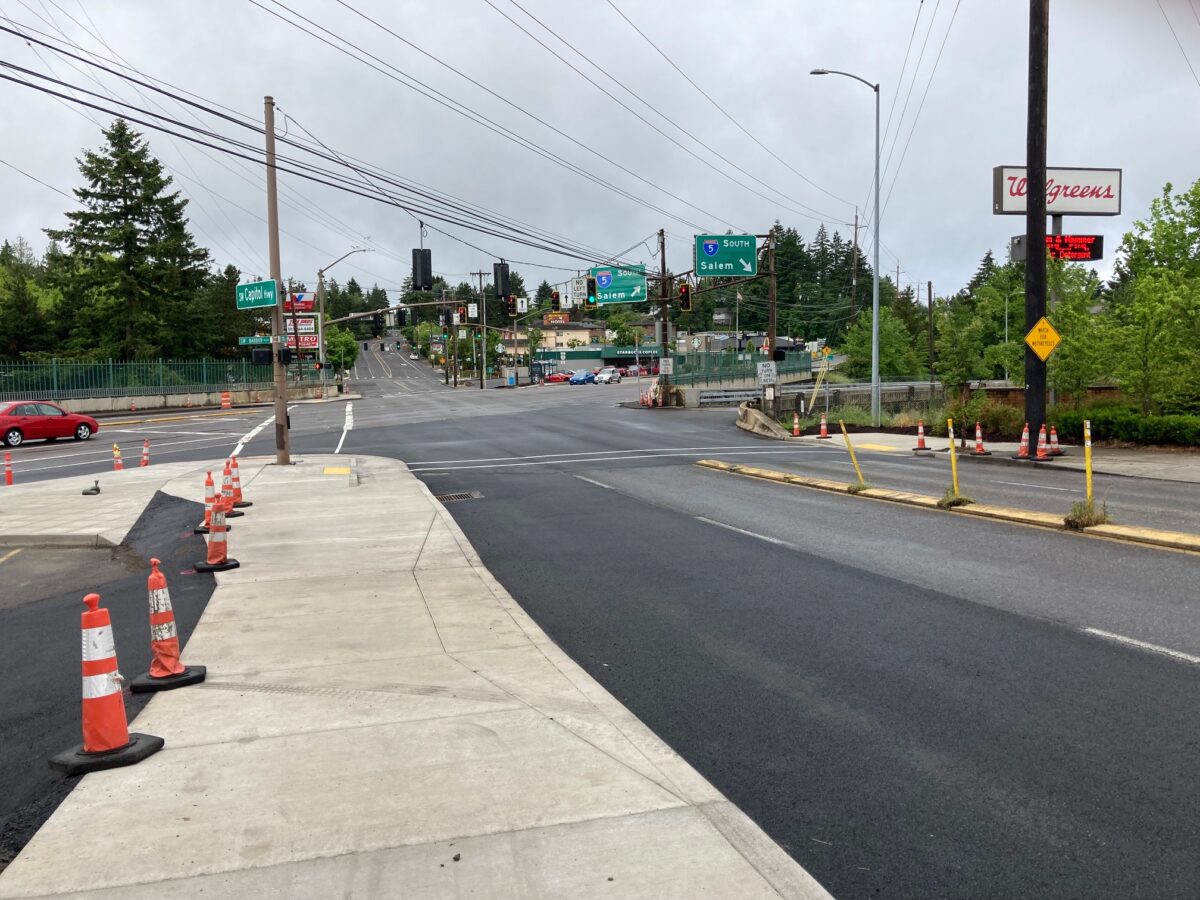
(728, 396)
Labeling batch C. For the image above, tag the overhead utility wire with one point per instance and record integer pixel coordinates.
(819, 215)
(903, 68)
(479, 119)
(1178, 42)
(38, 180)
(723, 111)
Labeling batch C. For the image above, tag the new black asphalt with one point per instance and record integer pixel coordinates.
(41, 598)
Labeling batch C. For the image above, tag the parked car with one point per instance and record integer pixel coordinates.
(31, 421)
(623, 371)
(557, 377)
(608, 375)
(413, 355)
(583, 376)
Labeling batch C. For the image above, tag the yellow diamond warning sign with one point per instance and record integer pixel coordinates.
(1042, 339)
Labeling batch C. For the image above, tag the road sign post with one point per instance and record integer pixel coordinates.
(726, 255)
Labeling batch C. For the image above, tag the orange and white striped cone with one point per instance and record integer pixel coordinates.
(8, 478)
(166, 671)
(133, 406)
(979, 451)
(146, 452)
(921, 447)
(795, 424)
(1023, 452)
(217, 559)
(210, 498)
(1042, 452)
(824, 435)
(226, 402)
(227, 492)
(117, 464)
(188, 402)
(1055, 450)
(239, 501)
(107, 742)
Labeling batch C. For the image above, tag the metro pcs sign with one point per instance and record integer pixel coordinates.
(1069, 192)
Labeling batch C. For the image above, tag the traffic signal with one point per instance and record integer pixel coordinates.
(555, 302)
(462, 314)
(510, 304)
(591, 292)
(422, 276)
(500, 279)
(318, 366)
(685, 297)
(401, 317)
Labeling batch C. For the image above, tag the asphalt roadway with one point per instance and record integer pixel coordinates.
(913, 704)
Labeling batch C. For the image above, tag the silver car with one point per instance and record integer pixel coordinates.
(608, 375)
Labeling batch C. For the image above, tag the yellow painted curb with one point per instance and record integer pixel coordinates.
(1153, 537)
(1176, 540)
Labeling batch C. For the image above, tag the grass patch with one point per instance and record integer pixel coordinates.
(1084, 514)
(857, 488)
(950, 500)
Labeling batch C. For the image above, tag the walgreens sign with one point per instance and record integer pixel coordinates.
(1069, 192)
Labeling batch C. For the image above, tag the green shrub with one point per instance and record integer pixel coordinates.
(998, 420)
(1126, 424)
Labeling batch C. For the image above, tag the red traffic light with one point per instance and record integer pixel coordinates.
(462, 313)
(685, 297)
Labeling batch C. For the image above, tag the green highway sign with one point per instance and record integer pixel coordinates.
(257, 294)
(726, 255)
(620, 284)
(254, 339)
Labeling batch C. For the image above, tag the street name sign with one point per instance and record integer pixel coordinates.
(726, 255)
(1042, 339)
(766, 373)
(254, 340)
(619, 284)
(257, 294)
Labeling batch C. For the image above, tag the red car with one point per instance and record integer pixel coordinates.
(557, 377)
(28, 420)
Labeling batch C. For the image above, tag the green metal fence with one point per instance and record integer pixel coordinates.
(73, 379)
(695, 369)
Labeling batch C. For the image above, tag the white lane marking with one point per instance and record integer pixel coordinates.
(607, 487)
(157, 451)
(753, 534)
(348, 426)
(1040, 487)
(10, 554)
(428, 462)
(251, 435)
(386, 367)
(1143, 645)
(595, 459)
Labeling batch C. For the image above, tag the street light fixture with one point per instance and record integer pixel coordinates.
(321, 311)
(875, 272)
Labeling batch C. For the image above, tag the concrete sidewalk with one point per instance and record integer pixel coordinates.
(1170, 464)
(380, 719)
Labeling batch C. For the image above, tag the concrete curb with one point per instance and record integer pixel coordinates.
(1152, 537)
(68, 541)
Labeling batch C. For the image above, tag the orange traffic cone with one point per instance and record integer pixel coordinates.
(226, 402)
(1042, 452)
(217, 559)
(795, 424)
(238, 500)
(188, 404)
(8, 479)
(117, 465)
(921, 445)
(210, 497)
(979, 451)
(1023, 452)
(146, 452)
(133, 406)
(1055, 450)
(107, 742)
(227, 492)
(824, 435)
(166, 671)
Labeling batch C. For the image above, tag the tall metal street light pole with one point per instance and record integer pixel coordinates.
(875, 269)
(321, 309)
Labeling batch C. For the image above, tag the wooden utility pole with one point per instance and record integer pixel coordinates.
(482, 330)
(771, 295)
(664, 294)
(854, 269)
(929, 296)
(1035, 208)
(282, 443)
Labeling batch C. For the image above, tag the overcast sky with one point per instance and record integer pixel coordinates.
(1121, 95)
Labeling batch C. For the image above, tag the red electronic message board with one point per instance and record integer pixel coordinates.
(1077, 247)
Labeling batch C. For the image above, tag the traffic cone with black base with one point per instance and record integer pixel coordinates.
(239, 501)
(1042, 451)
(979, 451)
(210, 496)
(1055, 450)
(227, 492)
(824, 435)
(217, 559)
(922, 449)
(1023, 452)
(166, 671)
(107, 743)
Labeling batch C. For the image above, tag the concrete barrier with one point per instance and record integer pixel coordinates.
(199, 400)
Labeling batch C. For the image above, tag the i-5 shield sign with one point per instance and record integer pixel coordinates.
(620, 284)
(726, 255)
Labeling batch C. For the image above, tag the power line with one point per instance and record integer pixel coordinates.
(900, 78)
(38, 180)
(1178, 42)
(723, 111)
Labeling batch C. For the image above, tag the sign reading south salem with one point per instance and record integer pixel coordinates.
(620, 284)
(726, 255)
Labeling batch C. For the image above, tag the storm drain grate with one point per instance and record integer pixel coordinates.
(449, 498)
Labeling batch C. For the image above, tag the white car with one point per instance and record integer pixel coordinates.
(413, 356)
(608, 375)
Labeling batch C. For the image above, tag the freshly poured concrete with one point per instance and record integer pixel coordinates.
(380, 719)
